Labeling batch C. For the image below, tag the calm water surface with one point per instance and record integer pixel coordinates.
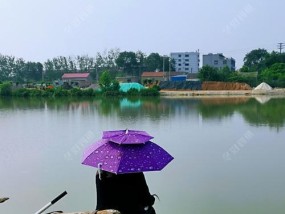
(229, 152)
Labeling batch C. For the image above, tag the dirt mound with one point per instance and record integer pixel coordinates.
(263, 86)
(225, 86)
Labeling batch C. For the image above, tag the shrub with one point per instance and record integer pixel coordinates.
(88, 92)
(115, 86)
(60, 92)
(105, 81)
(149, 92)
(111, 93)
(6, 89)
(34, 92)
(133, 92)
(76, 92)
(22, 92)
(48, 93)
(156, 87)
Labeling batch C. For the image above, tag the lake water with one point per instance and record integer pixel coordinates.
(229, 152)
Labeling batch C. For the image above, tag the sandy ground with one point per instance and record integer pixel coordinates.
(190, 93)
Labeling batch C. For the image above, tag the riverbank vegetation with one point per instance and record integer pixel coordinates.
(7, 91)
(259, 66)
(108, 87)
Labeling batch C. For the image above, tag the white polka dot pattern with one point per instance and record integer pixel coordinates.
(126, 158)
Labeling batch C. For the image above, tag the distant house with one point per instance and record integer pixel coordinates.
(158, 76)
(153, 76)
(77, 79)
(219, 61)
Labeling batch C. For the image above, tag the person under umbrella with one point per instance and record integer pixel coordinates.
(120, 181)
(128, 193)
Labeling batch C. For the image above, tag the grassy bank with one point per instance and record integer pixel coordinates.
(7, 90)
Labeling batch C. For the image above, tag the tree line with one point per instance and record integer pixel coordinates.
(259, 66)
(118, 63)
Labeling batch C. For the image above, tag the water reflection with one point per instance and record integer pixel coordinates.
(271, 113)
(260, 111)
(262, 99)
(220, 107)
(130, 103)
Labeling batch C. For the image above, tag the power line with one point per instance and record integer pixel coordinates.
(280, 46)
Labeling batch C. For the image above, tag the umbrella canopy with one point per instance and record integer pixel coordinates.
(120, 159)
(127, 136)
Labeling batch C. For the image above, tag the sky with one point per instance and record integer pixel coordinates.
(37, 30)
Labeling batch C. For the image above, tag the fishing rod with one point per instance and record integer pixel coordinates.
(51, 203)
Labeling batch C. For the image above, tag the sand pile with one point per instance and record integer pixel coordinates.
(211, 85)
(263, 86)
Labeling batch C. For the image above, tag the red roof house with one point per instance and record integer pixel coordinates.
(75, 75)
(78, 79)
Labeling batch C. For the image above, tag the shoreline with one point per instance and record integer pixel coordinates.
(222, 93)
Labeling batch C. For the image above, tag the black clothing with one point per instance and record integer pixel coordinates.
(127, 193)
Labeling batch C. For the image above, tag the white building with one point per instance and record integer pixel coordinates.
(186, 61)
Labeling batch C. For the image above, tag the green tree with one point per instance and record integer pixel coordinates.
(19, 71)
(33, 71)
(274, 57)
(154, 61)
(105, 81)
(224, 73)
(127, 61)
(172, 64)
(208, 73)
(5, 89)
(85, 63)
(115, 85)
(110, 59)
(72, 67)
(274, 75)
(6, 67)
(255, 60)
(50, 72)
(141, 59)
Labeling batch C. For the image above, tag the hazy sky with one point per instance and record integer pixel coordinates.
(37, 30)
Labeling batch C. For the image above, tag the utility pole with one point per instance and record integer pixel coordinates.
(280, 46)
(97, 78)
(169, 64)
(163, 64)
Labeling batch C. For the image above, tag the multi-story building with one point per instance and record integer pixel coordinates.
(186, 61)
(219, 61)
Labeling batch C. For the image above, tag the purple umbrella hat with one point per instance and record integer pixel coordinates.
(120, 159)
(127, 136)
